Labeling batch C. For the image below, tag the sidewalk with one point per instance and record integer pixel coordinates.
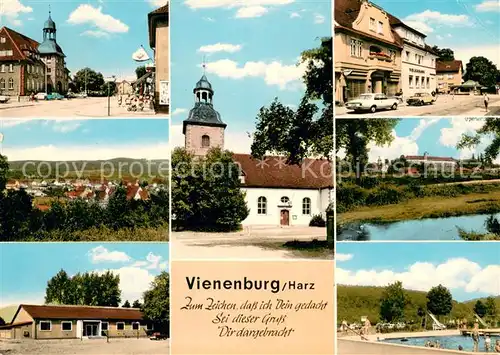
(16, 104)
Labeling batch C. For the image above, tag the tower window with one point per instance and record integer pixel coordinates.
(204, 96)
(205, 141)
(262, 205)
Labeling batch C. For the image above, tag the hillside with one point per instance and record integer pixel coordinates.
(356, 301)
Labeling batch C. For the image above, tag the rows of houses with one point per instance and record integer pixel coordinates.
(74, 322)
(377, 52)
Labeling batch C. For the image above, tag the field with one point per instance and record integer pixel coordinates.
(90, 347)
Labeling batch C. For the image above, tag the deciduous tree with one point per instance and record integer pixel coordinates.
(439, 300)
(393, 302)
(482, 70)
(126, 304)
(480, 308)
(156, 307)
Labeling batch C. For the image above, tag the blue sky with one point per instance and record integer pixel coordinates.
(438, 136)
(240, 44)
(99, 34)
(469, 27)
(136, 263)
(70, 139)
(470, 270)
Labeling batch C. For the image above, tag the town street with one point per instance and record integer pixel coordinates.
(88, 107)
(445, 105)
(253, 242)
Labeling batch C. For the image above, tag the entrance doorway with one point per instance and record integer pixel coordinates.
(90, 329)
(285, 217)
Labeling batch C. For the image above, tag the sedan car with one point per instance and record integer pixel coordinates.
(372, 103)
(54, 96)
(421, 98)
(4, 99)
(41, 96)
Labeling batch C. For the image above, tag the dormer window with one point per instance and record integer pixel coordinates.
(372, 24)
(380, 28)
(3, 39)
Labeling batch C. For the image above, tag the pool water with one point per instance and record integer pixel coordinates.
(450, 342)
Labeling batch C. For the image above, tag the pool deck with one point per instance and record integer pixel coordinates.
(430, 333)
(481, 331)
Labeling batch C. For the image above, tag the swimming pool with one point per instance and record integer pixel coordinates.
(450, 342)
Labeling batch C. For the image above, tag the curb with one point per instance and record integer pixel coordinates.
(20, 106)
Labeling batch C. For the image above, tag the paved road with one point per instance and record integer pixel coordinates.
(89, 107)
(446, 105)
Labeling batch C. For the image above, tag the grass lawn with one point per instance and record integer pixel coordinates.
(427, 207)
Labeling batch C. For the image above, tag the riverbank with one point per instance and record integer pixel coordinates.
(426, 207)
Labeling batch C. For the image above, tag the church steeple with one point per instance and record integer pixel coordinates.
(49, 28)
(49, 44)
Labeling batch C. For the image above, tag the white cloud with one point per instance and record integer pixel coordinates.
(343, 257)
(11, 10)
(427, 20)
(245, 9)
(133, 281)
(467, 52)
(439, 37)
(179, 111)
(488, 5)
(236, 142)
(102, 255)
(456, 273)
(158, 150)
(220, 47)
(251, 12)
(294, 15)
(87, 14)
(319, 19)
(274, 73)
(158, 3)
(450, 136)
(209, 19)
(97, 34)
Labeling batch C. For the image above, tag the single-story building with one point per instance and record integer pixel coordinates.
(75, 322)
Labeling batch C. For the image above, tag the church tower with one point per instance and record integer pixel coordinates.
(203, 129)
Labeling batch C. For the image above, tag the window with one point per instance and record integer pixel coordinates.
(411, 81)
(417, 81)
(356, 48)
(136, 326)
(285, 199)
(3, 68)
(48, 70)
(120, 326)
(67, 326)
(428, 83)
(3, 39)
(306, 206)
(372, 24)
(104, 326)
(11, 84)
(45, 325)
(2, 84)
(408, 55)
(205, 141)
(11, 68)
(262, 205)
(380, 28)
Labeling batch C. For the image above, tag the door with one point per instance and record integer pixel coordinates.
(285, 217)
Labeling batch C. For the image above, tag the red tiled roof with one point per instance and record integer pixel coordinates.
(21, 43)
(81, 312)
(43, 208)
(274, 173)
(452, 66)
(428, 158)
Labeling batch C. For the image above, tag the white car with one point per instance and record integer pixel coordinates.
(4, 99)
(41, 96)
(372, 103)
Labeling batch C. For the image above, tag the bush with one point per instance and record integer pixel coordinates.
(350, 195)
(385, 195)
(369, 182)
(317, 221)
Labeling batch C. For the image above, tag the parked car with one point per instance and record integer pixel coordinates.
(70, 95)
(421, 98)
(4, 99)
(41, 96)
(372, 103)
(54, 96)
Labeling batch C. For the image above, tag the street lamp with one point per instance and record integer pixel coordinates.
(110, 80)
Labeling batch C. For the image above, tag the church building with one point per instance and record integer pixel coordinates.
(276, 193)
(27, 67)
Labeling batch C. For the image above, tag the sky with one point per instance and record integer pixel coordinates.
(26, 281)
(470, 270)
(91, 139)
(437, 136)
(98, 34)
(468, 27)
(250, 51)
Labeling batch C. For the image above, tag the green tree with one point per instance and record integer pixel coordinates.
(94, 80)
(4, 170)
(480, 308)
(17, 217)
(482, 70)
(445, 54)
(140, 71)
(393, 302)
(439, 300)
(491, 307)
(137, 304)
(206, 192)
(308, 130)
(156, 307)
(490, 130)
(126, 304)
(60, 289)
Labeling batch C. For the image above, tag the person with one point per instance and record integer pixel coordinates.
(497, 346)
(475, 337)
(487, 343)
(486, 101)
(460, 347)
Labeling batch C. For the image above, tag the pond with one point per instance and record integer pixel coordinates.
(450, 342)
(421, 229)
